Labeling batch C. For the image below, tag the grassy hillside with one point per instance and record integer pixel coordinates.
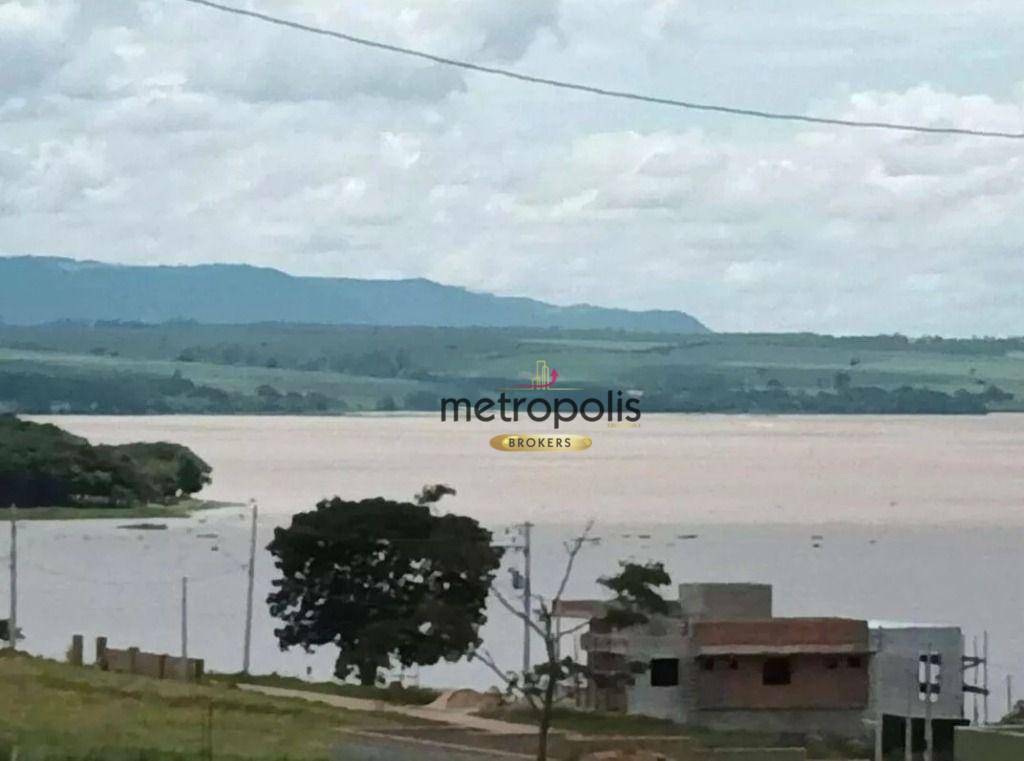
(186, 367)
(50, 710)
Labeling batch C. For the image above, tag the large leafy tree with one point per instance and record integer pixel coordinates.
(635, 596)
(384, 581)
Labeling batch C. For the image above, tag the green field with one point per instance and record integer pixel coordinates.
(50, 710)
(308, 369)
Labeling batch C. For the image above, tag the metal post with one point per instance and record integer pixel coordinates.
(184, 628)
(248, 599)
(878, 738)
(879, 716)
(558, 638)
(984, 677)
(974, 682)
(908, 726)
(928, 738)
(527, 597)
(12, 624)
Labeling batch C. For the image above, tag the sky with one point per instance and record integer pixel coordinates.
(160, 132)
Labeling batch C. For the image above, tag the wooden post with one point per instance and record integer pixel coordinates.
(76, 654)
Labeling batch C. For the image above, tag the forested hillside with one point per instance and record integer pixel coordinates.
(185, 367)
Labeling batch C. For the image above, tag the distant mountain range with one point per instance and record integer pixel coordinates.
(35, 289)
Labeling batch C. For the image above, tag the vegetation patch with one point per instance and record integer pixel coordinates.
(42, 465)
(273, 368)
(51, 711)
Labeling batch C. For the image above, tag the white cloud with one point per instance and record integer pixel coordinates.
(156, 131)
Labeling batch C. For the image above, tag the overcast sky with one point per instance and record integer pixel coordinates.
(163, 132)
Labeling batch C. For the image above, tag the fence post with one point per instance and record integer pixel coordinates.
(101, 653)
(75, 655)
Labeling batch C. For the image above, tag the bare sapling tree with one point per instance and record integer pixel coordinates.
(538, 686)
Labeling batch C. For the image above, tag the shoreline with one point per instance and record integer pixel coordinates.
(184, 509)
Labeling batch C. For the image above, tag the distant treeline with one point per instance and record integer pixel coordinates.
(184, 367)
(855, 400)
(37, 393)
(43, 465)
(139, 394)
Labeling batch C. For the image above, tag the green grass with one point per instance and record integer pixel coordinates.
(396, 695)
(50, 710)
(597, 723)
(182, 509)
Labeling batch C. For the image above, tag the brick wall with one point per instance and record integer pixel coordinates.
(738, 683)
(783, 633)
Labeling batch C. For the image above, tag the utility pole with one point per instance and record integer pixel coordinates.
(184, 628)
(12, 624)
(1009, 693)
(248, 598)
(527, 597)
(928, 738)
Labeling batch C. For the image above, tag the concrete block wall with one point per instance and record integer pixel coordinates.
(153, 665)
(726, 602)
(895, 670)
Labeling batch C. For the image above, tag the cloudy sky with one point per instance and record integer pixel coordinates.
(163, 132)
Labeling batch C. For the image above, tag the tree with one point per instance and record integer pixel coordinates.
(42, 465)
(538, 686)
(5, 633)
(384, 581)
(192, 477)
(634, 603)
(431, 493)
(635, 600)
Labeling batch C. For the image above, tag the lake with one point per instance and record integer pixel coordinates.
(920, 516)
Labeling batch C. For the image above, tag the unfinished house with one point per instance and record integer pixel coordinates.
(721, 659)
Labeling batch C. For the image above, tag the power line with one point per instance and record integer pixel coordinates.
(622, 94)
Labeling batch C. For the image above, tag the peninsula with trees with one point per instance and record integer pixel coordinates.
(44, 468)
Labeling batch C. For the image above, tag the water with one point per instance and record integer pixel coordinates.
(920, 518)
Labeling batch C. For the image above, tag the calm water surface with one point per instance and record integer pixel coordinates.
(921, 518)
